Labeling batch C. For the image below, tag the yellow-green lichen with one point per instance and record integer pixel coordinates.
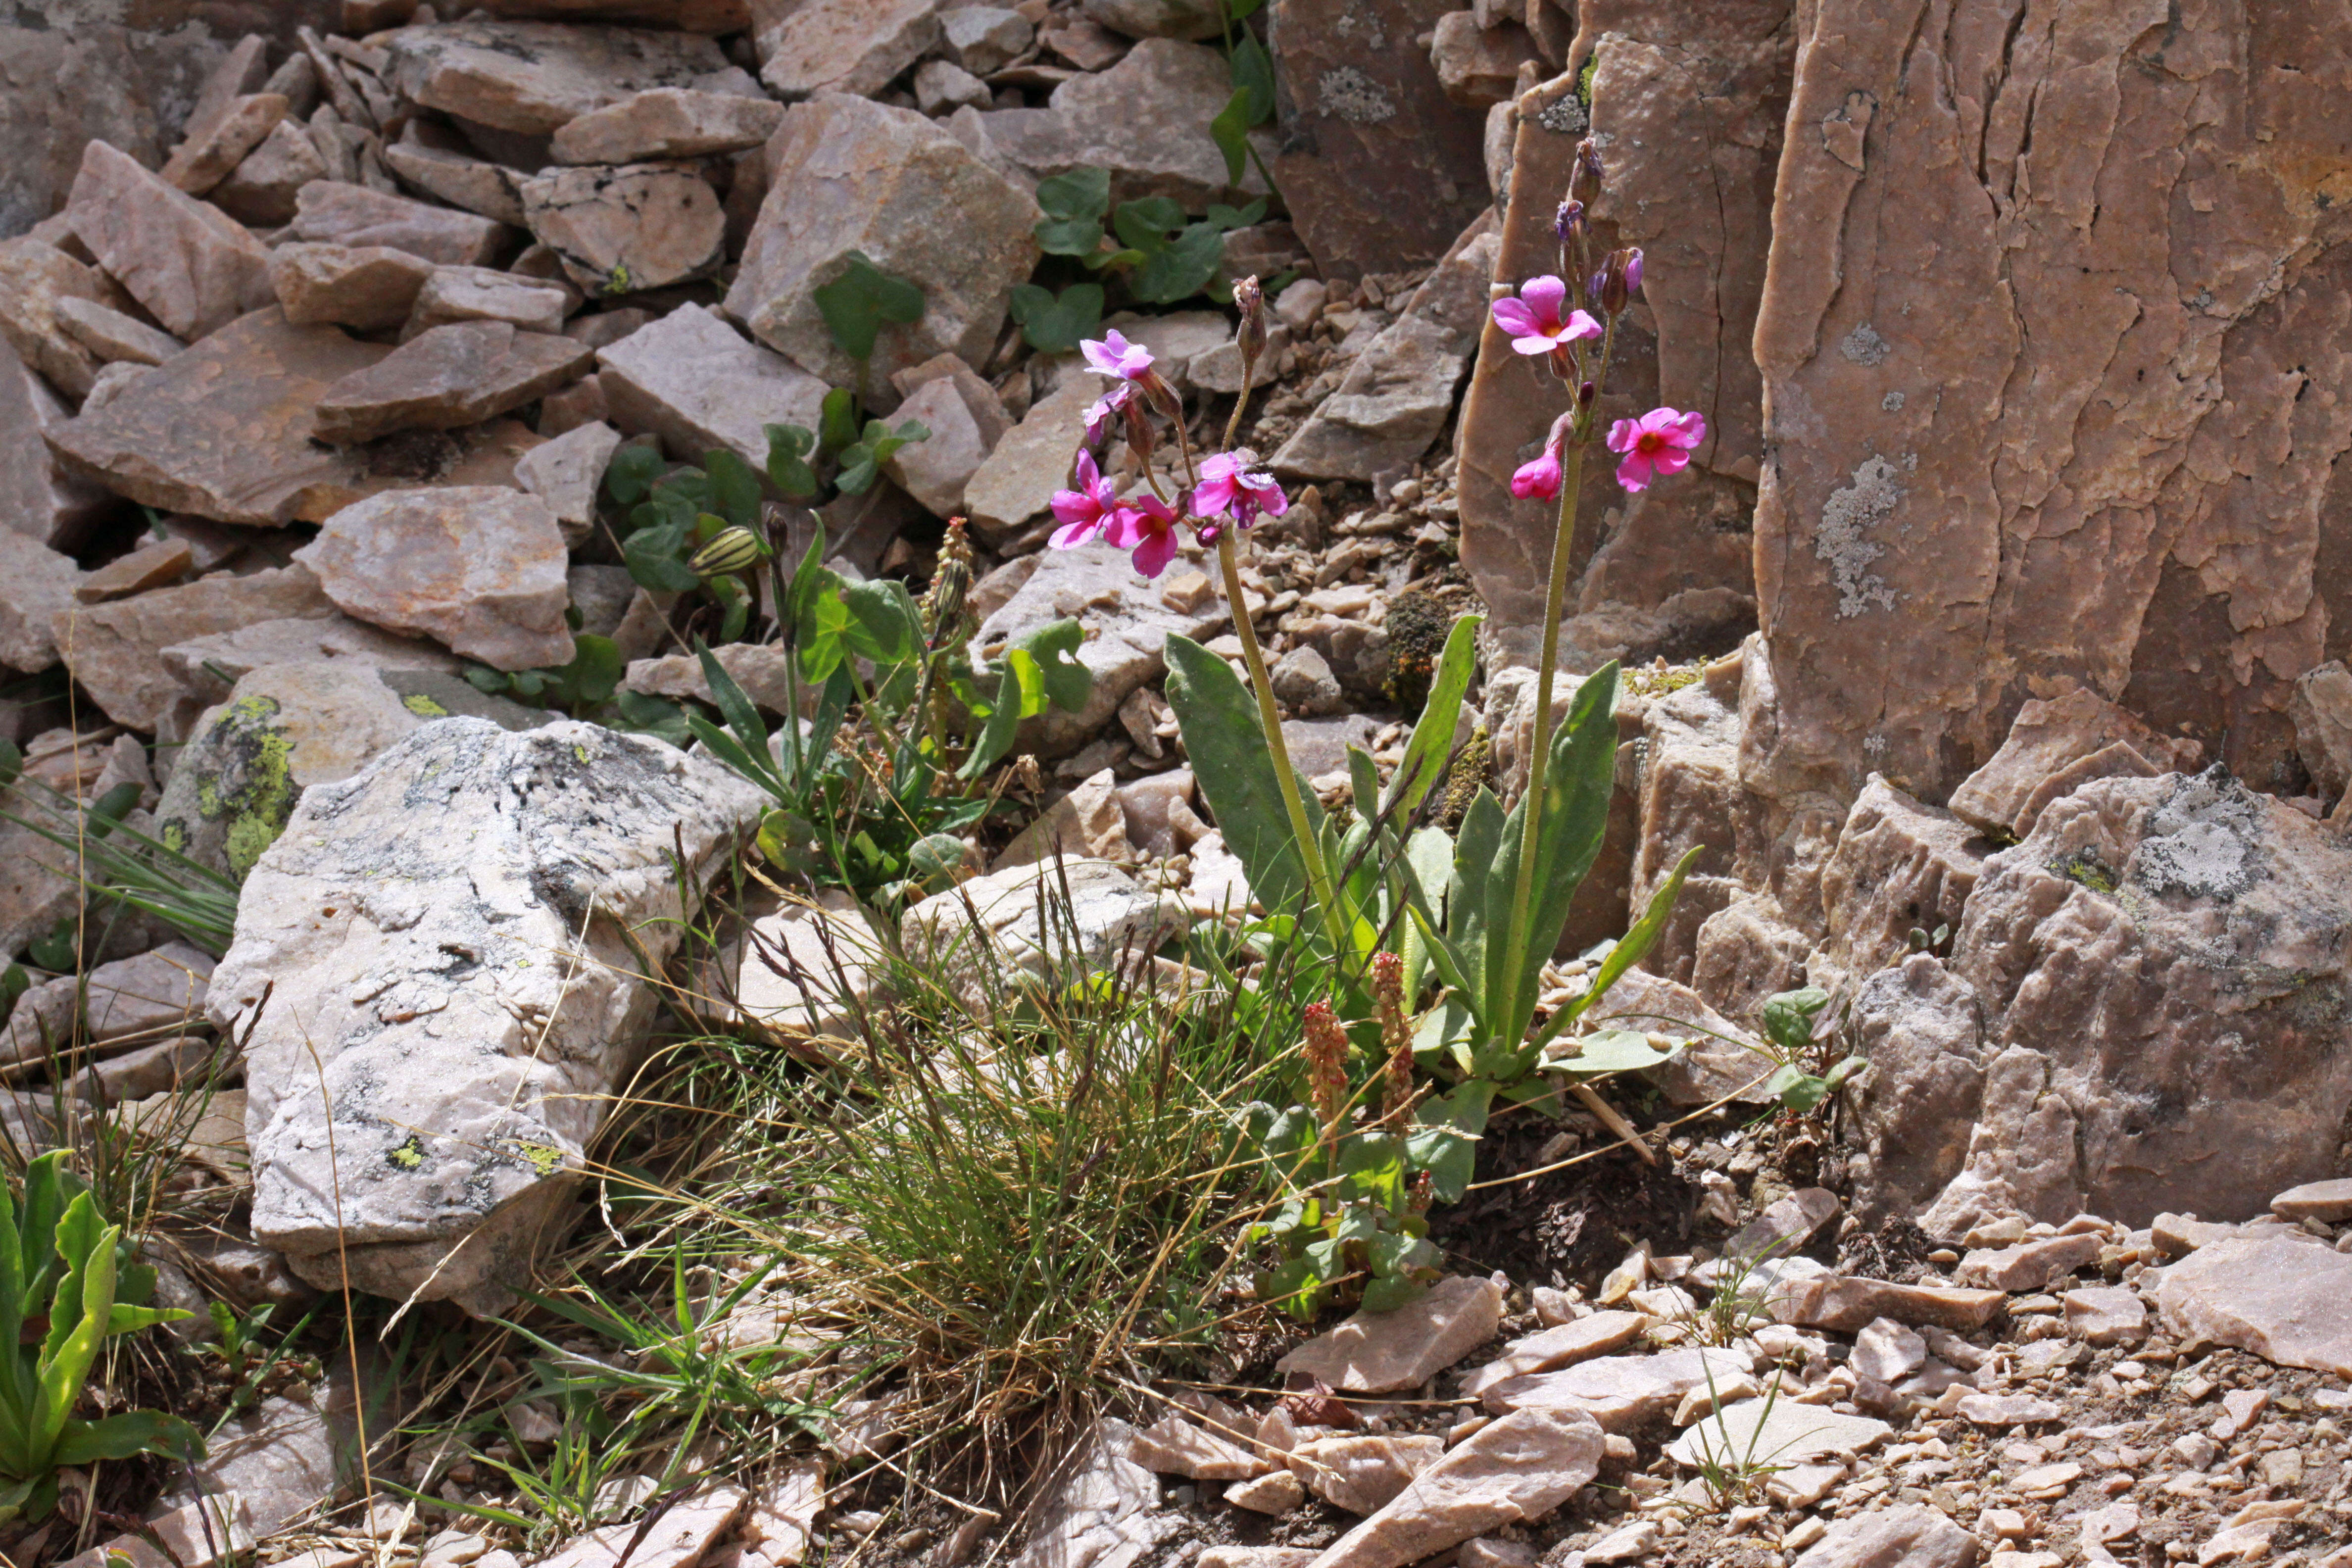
(424, 707)
(544, 1158)
(410, 1154)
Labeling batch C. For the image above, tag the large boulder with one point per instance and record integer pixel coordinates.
(848, 175)
(450, 947)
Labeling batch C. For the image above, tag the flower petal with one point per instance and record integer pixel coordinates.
(1075, 532)
(1580, 324)
(1545, 296)
(1623, 434)
(1633, 473)
(1152, 556)
(1671, 459)
(1514, 317)
(1534, 343)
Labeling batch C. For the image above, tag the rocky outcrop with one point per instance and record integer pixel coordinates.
(451, 944)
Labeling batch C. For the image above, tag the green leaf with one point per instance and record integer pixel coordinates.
(1065, 681)
(1230, 218)
(745, 726)
(788, 450)
(1230, 130)
(646, 714)
(884, 625)
(1055, 323)
(1235, 772)
(1019, 685)
(1445, 1144)
(1788, 1018)
(632, 472)
(1608, 1051)
(1147, 222)
(1181, 269)
(1388, 1294)
(596, 670)
(1630, 949)
(734, 488)
(838, 420)
(1080, 192)
(1432, 735)
(1253, 72)
(1237, 9)
(855, 305)
(121, 1437)
(657, 558)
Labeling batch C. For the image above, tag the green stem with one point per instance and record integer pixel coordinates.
(1310, 850)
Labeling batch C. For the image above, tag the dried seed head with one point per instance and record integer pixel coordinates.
(1253, 334)
(730, 549)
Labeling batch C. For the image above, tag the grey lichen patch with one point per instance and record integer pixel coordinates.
(2203, 842)
(1844, 542)
(1564, 116)
(1891, 402)
(1355, 96)
(1863, 345)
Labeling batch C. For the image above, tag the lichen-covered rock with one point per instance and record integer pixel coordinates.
(1899, 867)
(2054, 747)
(618, 230)
(2165, 984)
(1922, 1032)
(451, 995)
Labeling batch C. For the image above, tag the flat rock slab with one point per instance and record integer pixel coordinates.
(1561, 1346)
(2106, 1315)
(445, 935)
(130, 1001)
(1362, 1474)
(447, 378)
(1382, 1352)
(35, 583)
(116, 651)
(1016, 483)
(1902, 1537)
(2327, 1200)
(1848, 1304)
(223, 431)
(191, 265)
(1621, 1392)
(1511, 1471)
(2286, 1301)
(2050, 737)
(1785, 1433)
(618, 230)
(678, 1539)
(476, 567)
(42, 497)
(2030, 1265)
(479, 294)
(979, 934)
(36, 282)
(367, 288)
(210, 666)
(332, 211)
(692, 380)
(536, 78)
(667, 123)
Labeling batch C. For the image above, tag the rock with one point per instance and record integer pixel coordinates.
(2008, 1409)
(1175, 1447)
(1887, 1352)
(691, 379)
(1017, 480)
(209, 666)
(2286, 1301)
(265, 189)
(805, 972)
(1899, 867)
(1906, 1536)
(1100, 1510)
(2106, 1315)
(2029, 1265)
(936, 470)
(1562, 1345)
(1922, 1031)
(1847, 1303)
(446, 378)
(1789, 1432)
(853, 47)
(679, 1537)
(220, 143)
(1621, 1392)
(2321, 708)
(191, 268)
(35, 280)
(1399, 392)
(1141, 120)
(37, 585)
(1087, 823)
(478, 294)
(109, 335)
(1276, 1494)
(41, 498)
(247, 762)
(667, 122)
(441, 163)
(536, 78)
(1195, 20)
(155, 566)
(223, 430)
(332, 211)
(132, 1001)
(115, 651)
(2329, 1202)
(984, 40)
(763, 669)
(2140, 949)
(567, 473)
(619, 230)
(1303, 683)
(1362, 1474)
(1379, 170)
(277, 1456)
(847, 174)
(941, 87)
(1785, 1228)
(2064, 741)
(180, 1062)
(365, 288)
(1706, 1068)
(1511, 1471)
(1383, 1352)
(194, 1535)
(482, 945)
(979, 935)
(1129, 628)
(1478, 66)
(478, 568)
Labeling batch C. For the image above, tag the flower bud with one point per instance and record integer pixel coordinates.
(1142, 438)
(1253, 334)
(730, 549)
(1162, 395)
(1633, 270)
(1568, 222)
(1592, 285)
(1587, 158)
(1586, 393)
(1618, 278)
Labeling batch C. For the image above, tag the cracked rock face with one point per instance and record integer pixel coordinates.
(450, 995)
(2052, 364)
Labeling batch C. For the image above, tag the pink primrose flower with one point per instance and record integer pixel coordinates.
(1659, 442)
(1229, 486)
(1087, 512)
(1534, 320)
(1148, 527)
(1114, 355)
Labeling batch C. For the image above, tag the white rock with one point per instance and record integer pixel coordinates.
(1382, 1352)
(1511, 1471)
(691, 379)
(978, 936)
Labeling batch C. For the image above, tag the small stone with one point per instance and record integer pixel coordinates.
(982, 935)
(1709, 1397)
(849, 46)
(153, 566)
(2328, 1201)
(678, 1537)
(2241, 1408)
(536, 78)
(479, 294)
(1887, 1352)
(1628, 1543)
(984, 40)
(365, 288)
(2044, 1482)
(936, 470)
(111, 335)
(667, 123)
(1382, 1353)
(1786, 1226)
(135, 1000)
(1304, 683)
(208, 666)
(447, 378)
(941, 86)
(115, 650)
(478, 568)
(622, 230)
(763, 669)
(1089, 823)
(2049, 738)
(1846, 1304)
(1485, 1553)
(192, 267)
(2321, 708)
(334, 212)
(1156, 18)
(1620, 1392)
(1512, 1471)
(1017, 480)
(35, 583)
(1902, 1537)
(2008, 1409)
(35, 280)
(2286, 1301)
(220, 143)
(1175, 1447)
(1789, 1432)
(1562, 1345)
(692, 380)
(266, 190)
(567, 473)
(805, 972)
(1277, 1493)
(1362, 1474)
(1478, 67)
(2106, 1315)
(2029, 1266)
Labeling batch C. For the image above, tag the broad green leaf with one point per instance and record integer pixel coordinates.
(1433, 734)
(657, 557)
(1230, 130)
(1392, 1291)
(1080, 192)
(1181, 268)
(838, 420)
(1788, 1018)
(1477, 885)
(1055, 323)
(596, 670)
(1253, 72)
(132, 1431)
(1608, 1051)
(884, 625)
(1146, 223)
(734, 488)
(1064, 680)
(646, 714)
(1235, 772)
(632, 472)
(788, 450)
(1019, 683)
(855, 304)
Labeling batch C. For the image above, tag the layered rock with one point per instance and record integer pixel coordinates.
(450, 944)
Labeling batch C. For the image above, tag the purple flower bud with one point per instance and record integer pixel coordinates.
(1588, 157)
(1569, 221)
(1251, 336)
(1633, 270)
(1592, 287)
(1586, 393)
(1615, 287)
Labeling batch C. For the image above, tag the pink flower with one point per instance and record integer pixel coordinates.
(1087, 512)
(1229, 486)
(1538, 481)
(1534, 321)
(1658, 442)
(1147, 527)
(1106, 409)
(1114, 355)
